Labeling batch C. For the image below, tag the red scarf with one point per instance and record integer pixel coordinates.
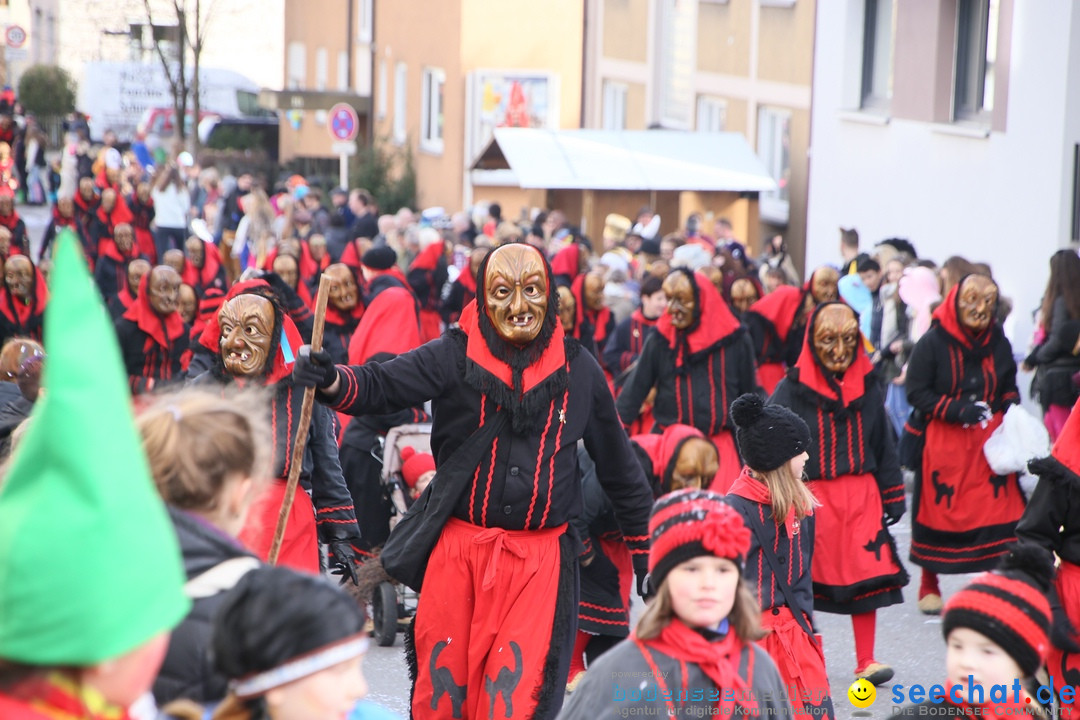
(57, 697)
(812, 374)
(715, 322)
(202, 278)
(468, 282)
(337, 317)
(288, 347)
(87, 206)
(719, 661)
(20, 311)
(780, 307)
(476, 349)
(107, 248)
(429, 258)
(59, 220)
(755, 490)
(947, 316)
(120, 214)
(567, 261)
(164, 331)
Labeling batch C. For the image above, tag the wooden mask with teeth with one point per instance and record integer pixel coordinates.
(247, 326)
(516, 288)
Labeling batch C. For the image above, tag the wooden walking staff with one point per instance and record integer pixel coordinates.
(297, 459)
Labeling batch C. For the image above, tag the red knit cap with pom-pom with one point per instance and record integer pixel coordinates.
(690, 523)
(414, 464)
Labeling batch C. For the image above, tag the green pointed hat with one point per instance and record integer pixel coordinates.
(89, 563)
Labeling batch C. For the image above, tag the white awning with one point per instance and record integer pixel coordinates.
(650, 160)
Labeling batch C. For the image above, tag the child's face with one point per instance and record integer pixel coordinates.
(327, 695)
(422, 482)
(972, 653)
(797, 464)
(703, 590)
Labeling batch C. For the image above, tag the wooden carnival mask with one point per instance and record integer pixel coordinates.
(567, 308)
(135, 271)
(188, 304)
(174, 258)
(976, 302)
(682, 305)
(593, 292)
(124, 237)
(247, 326)
(19, 276)
(743, 294)
(823, 287)
(516, 292)
(836, 337)
(343, 293)
(164, 288)
(696, 465)
(196, 253)
(286, 267)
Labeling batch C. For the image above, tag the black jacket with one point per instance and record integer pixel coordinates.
(188, 671)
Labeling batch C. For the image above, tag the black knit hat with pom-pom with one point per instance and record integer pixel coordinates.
(768, 435)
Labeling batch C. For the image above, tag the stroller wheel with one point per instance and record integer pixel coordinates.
(384, 614)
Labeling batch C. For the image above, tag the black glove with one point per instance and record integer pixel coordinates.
(343, 560)
(893, 512)
(314, 369)
(975, 413)
(641, 573)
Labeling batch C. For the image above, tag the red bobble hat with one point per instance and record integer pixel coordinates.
(689, 523)
(415, 464)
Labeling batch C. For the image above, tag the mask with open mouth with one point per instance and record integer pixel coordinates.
(835, 337)
(976, 302)
(682, 300)
(343, 293)
(19, 276)
(164, 289)
(516, 293)
(247, 324)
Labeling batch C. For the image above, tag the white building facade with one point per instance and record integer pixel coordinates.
(954, 124)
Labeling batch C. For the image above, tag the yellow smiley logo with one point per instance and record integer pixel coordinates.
(862, 693)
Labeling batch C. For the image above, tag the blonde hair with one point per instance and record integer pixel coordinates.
(196, 440)
(787, 492)
(745, 615)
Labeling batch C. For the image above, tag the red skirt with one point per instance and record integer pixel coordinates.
(963, 514)
(300, 545)
(1064, 666)
(801, 662)
(855, 565)
(730, 464)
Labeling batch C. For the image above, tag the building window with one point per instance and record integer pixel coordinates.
(976, 55)
(711, 114)
(614, 107)
(297, 65)
(677, 51)
(877, 60)
(431, 110)
(774, 149)
(321, 68)
(363, 21)
(342, 71)
(380, 91)
(400, 94)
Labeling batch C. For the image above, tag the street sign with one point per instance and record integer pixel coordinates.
(343, 148)
(15, 36)
(343, 122)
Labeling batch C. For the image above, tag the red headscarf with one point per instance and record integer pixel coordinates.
(663, 448)
(813, 375)
(780, 308)
(165, 330)
(288, 347)
(599, 318)
(19, 312)
(947, 315)
(203, 277)
(428, 259)
(567, 261)
(715, 321)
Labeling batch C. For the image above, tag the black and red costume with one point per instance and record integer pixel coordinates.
(202, 359)
(1052, 522)
(963, 514)
(152, 345)
(55, 226)
(85, 211)
(142, 215)
(20, 318)
(697, 373)
(777, 336)
(462, 292)
(566, 265)
(391, 321)
(626, 342)
(502, 643)
(102, 225)
(659, 452)
(339, 329)
(427, 275)
(326, 515)
(798, 654)
(596, 325)
(210, 275)
(855, 474)
(110, 270)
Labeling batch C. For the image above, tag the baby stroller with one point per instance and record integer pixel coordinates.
(393, 606)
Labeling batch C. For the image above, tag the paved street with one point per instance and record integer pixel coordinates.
(907, 640)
